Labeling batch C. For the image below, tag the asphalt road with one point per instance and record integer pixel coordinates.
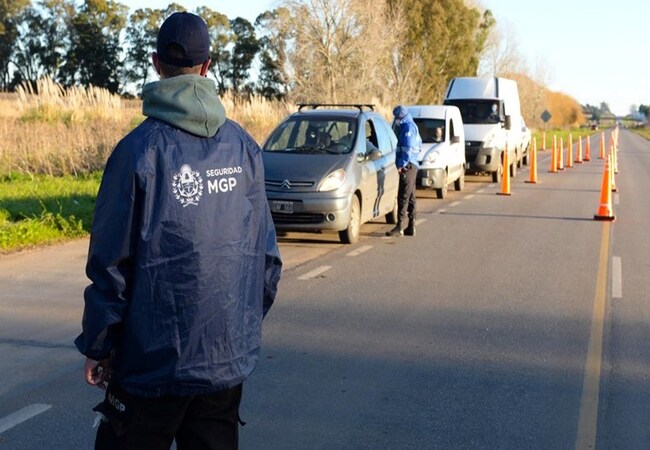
(507, 322)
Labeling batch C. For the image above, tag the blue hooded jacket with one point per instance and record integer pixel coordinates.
(183, 256)
(408, 138)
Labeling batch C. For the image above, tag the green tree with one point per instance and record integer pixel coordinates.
(221, 37)
(94, 54)
(645, 110)
(604, 108)
(10, 14)
(243, 53)
(273, 80)
(43, 40)
(141, 36)
(445, 37)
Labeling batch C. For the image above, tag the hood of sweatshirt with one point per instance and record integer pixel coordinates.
(188, 102)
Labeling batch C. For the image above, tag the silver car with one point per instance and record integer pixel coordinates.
(331, 169)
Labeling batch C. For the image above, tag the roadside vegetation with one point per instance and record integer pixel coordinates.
(562, 134)
(41, 209)
(53, 147)
(645, 132)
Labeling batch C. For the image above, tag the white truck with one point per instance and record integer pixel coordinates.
(492, 120)
(442, 155)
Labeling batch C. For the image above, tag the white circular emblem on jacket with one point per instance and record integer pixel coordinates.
(187, 186)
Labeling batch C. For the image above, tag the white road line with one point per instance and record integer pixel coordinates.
(617, 279)
(467, 197)
(440, 211)
(360, 250)
(452, 204)
(420, 221)
(22, 415)
(616, 199)
(314, 273)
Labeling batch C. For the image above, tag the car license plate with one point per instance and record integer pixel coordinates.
(282, 207)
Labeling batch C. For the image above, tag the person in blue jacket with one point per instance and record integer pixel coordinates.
(408, 148)
(183, 261)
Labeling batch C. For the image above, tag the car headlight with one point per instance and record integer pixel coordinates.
(333, 181)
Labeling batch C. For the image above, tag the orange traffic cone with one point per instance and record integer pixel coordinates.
(579, 154)
(544, 140)
(605, 211)
(533, 163)
(612, 172)
(553, 168)
(560, 155)
(615, 158)
(601, 154)
(587, 150)
(569, 156)
(505, 179)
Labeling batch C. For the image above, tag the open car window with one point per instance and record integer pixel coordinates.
(427, 129)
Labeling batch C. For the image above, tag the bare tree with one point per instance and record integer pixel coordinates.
(501, 54)
(402, 82)
(339, 50)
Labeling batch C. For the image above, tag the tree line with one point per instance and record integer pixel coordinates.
(303, 50)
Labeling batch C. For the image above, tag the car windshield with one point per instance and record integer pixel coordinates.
(478, 111)
(428, 129)
(313, 135)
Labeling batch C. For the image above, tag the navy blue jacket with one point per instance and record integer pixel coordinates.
(183, 256)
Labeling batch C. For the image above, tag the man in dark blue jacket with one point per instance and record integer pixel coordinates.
(183, 261)
(408, 148)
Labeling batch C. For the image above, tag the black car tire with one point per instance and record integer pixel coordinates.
(351, 234)
(459, 184)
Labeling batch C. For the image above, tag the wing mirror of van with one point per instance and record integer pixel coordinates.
(508, 122)
(455, 139)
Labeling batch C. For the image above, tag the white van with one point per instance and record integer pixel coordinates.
(442, 157)
(492, 119)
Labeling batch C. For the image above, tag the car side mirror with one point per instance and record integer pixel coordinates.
(374, 155)
(455, 139)
(508, 122)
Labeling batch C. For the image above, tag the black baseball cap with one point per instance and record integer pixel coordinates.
(190, 33)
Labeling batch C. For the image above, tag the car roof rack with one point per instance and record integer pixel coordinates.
(359, 106)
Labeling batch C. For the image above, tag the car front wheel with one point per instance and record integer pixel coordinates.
(351, 234)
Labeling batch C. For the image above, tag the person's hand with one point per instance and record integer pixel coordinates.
(97, 372)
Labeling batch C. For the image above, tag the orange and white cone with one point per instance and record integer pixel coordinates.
(569, 155)
(560, 156)
(612, 172)
(601, 154)
(533, 163)
(553, 168)
(579, 153)
(605, 211)
(587, 150)
(505, 179)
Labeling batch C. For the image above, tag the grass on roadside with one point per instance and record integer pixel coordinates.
(36, 210)
(562, 134)
(645, 132)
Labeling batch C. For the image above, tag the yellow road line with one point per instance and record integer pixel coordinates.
(587, 422)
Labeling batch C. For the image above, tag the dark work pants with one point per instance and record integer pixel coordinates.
(200, 422)
(406, 197)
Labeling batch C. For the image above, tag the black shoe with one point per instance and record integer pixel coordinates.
(395, 232)
(409, 231)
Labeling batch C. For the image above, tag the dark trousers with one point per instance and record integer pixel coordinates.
(406, 197)
(201, 422)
